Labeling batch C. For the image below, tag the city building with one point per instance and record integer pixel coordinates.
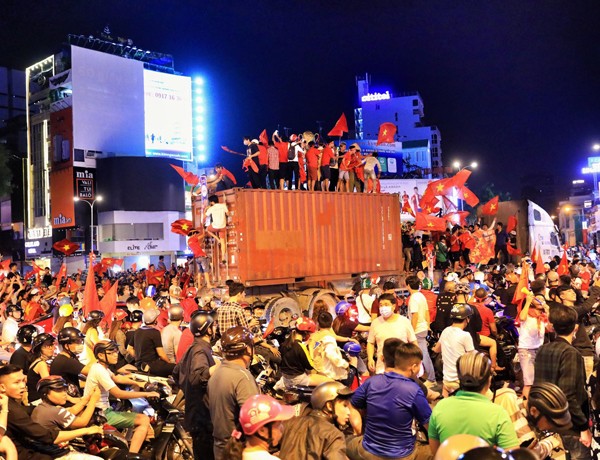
(105, 120)
(13, 146)
(417, 151)
(576, 216)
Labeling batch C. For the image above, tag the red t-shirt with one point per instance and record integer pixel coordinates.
(467, 240)
(185, 341)
(263, 156)
(454, 243)
(282, 147)
(431, 298)
(585, 280)
(225, 172)
(312, 157)
(326, 156)
(487, 318)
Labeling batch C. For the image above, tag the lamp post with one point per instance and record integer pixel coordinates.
(91, 205)
(458, 168)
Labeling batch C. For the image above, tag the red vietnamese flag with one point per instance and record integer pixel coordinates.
(430, 223)
(450, 206)
(72, 286)
(263, 138)
(459, 217)
(460, 178)
(534, 253)
(61, 274)
(33, 272)
(511, 224)
(441, 186)
(188, 177)
(429, 209)
(99, 268)
(467, 195)
(387, 132)
(563, 266)
(90, 295)
(65, 246)
(108, 304)
(4, 265)
(341, 127)
(521, 286)
(491, 207)
(512, 250)
(406, 208)
(182, 226)
(539, 262)
(156, 277)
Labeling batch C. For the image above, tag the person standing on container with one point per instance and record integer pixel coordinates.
(218, 213)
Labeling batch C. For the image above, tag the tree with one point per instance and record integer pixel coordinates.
(5, 172)
(489, 191)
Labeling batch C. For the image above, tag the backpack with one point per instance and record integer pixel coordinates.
(291, 152)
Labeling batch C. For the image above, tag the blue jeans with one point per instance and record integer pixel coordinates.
(427, 364)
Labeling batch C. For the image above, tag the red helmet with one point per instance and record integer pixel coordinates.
(258, 410)
(305, 324)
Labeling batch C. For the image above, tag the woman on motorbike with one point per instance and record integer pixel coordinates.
(42, 349)
(261, 418)
(93, 333)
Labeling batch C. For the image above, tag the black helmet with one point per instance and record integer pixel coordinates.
(467, 272)
(461, 311)
(328, 391)
(104, 346)
(40, 340)
(474, 370)
(235, 340)
(200, 322)
(69, 335)
(175, 313)
(162, 302)
(52, 382)
(551, 401)
(137, 316)
(95, 315)
(12, 308)
(26, 333)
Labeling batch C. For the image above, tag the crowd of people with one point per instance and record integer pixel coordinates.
(392, 372)
(301, 162)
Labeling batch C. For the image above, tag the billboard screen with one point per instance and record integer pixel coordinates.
(168, 114)
(121, 109)
(62, 214)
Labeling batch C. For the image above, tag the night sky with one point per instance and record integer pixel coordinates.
(514, 85)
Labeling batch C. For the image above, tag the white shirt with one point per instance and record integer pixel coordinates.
(396, 326)
(10, 329)
(417, 305)
(101, 377)
(218, 213)
(531, 334)
(364, 303)
(455, 343)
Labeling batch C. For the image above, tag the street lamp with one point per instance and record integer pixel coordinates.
(91, 205)
(456, 165)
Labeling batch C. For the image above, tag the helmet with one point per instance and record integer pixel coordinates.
(305, 324)
(26, 334)
(120, 314)
(342, 307)
(258, 410)
(52, 382)
(352, 348)
(137, 316)
(293, 138)
(65, 310)
(162, 302)
(150, 316)
(147, 303)
(467, 272)
(328, 391)
(461, 311)
(485, 453)
(69, 335)
(175, 313)
(235, 340)
(95, 315)
(150, 291)
(104, 346)
(474, 370)
(200, 322)
(551, 402)
(40, 340)
(479, 276)
(427, 284)
(457, 445)
(462, 288)
(66, 300)
(12, 308)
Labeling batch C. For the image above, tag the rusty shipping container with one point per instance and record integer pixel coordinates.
(282, 237)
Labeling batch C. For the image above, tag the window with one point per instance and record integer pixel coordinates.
(434, 138)
(536, 215)
(129, 232)
(415, 103)
(415, 111)
(396, 116)
(434, 152)
(554, 239)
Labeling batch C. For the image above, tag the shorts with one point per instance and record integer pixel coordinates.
(204, 264)
(217, 231)
(344, 175)
(313, 173)
(120, 420)
(527, 361)
(283, 170)
(370, 174)
(301, 379)
(325, 172)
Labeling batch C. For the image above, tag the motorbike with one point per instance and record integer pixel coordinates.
(111, 445)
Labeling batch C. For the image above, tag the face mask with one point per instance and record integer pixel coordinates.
(386, 312)
(79, 349)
